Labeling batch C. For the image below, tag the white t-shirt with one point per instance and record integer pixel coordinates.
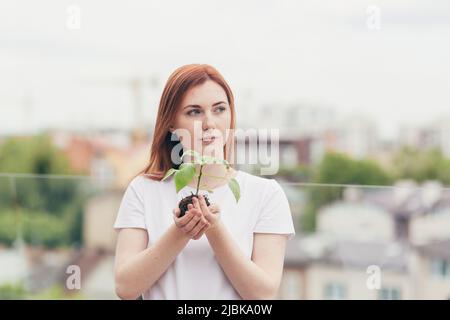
(196, 273)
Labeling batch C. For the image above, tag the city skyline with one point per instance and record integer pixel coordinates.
(271, 53)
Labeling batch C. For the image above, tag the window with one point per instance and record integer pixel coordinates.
(335, 291)
(389, 294)
(440, 268)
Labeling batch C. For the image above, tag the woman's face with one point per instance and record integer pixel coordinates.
(203, 119)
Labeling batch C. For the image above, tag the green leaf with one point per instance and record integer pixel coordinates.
(234, 186)
(193, 153)
(184, 164)
(184, 175)
(169, 173)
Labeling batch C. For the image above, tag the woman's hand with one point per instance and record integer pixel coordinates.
(211, 213)
(193, 223)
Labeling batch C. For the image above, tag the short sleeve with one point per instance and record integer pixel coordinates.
(131, 210)
(275, 214)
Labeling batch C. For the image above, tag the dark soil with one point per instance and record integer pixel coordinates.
(183, 205)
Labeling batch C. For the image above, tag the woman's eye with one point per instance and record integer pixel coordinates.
(220, 109)
(193, 112)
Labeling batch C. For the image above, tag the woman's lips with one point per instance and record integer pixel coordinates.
(208, 140)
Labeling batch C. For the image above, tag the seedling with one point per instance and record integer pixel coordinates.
(186, 173)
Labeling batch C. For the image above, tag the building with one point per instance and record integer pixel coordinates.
(401, 233)
(322, 267)
(435, 135)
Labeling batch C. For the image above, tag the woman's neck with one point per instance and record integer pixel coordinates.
(212, 176)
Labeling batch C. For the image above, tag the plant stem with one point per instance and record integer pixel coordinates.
(199, 177)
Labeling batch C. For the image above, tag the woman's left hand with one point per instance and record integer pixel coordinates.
(211, 213)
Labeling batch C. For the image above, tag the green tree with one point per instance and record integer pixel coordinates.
(34, 154)
(37, 155)
(409, 163)
(340, 169)
(45, 203)
(12, 292)
(298, 173)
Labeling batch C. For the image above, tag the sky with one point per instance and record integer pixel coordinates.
(386, 60)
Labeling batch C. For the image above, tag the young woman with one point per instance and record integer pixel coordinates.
(228, 250)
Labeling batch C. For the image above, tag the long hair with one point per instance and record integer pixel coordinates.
(179, 82)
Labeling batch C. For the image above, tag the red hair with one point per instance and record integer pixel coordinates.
(179, 82)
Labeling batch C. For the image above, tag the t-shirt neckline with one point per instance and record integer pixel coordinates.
(237, 177)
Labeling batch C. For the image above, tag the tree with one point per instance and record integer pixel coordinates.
(32, 155)
(37, 155)
(42, 201)
(409, 163)
(339, 169)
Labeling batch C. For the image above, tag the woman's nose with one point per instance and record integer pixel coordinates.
(208, 122)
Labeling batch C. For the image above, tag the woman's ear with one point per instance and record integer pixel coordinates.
(172, 132)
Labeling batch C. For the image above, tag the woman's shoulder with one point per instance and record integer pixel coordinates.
(259, 183)
(143, 181)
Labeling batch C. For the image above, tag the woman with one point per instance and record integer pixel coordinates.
(228, 250)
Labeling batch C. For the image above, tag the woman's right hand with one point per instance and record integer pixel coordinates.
(193, 223)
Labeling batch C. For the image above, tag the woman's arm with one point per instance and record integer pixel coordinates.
(137, 267)
(258, 278)
(255, 279)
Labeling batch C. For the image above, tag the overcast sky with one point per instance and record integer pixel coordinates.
(278, 52)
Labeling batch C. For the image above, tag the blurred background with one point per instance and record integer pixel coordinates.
(359, 91)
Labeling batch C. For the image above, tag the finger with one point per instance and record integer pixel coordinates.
(186, 218)
(199, 226)
(203, 204)
(196, 203)
(179, 221)
(201, 232)
(198, 207)
(191, 224)
(204, 220)
(194, 230)
(176, 212)
(194, 210)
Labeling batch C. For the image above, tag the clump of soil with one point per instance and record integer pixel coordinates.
(183, 205)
